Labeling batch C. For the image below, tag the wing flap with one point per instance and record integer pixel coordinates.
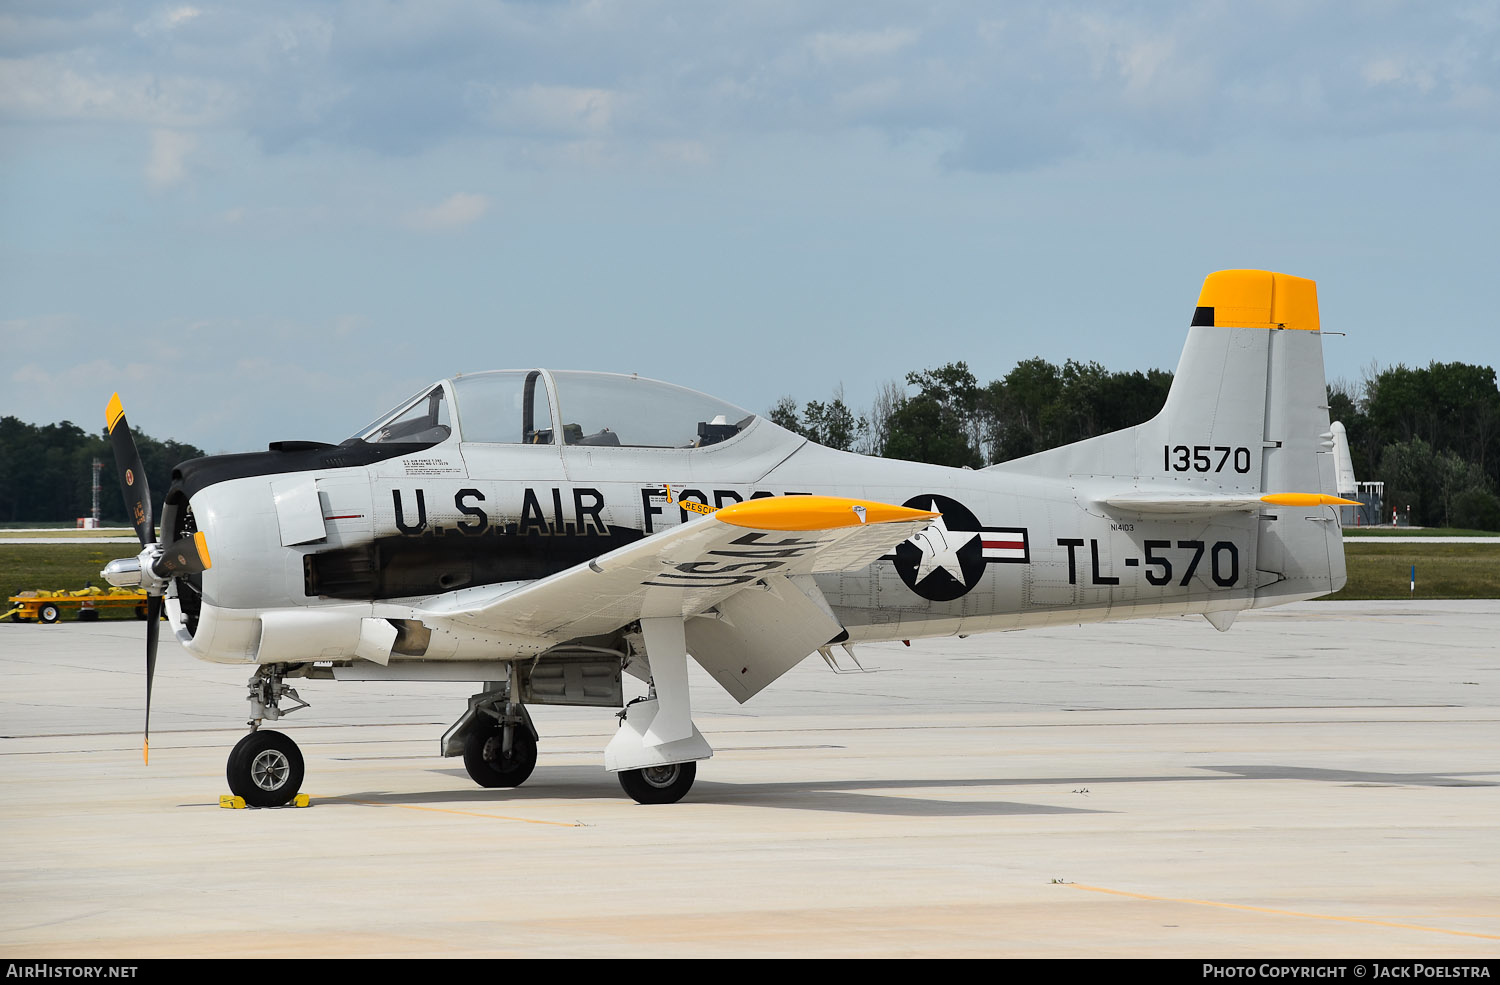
(752, 638)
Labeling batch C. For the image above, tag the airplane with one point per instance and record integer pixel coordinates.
(544, 534)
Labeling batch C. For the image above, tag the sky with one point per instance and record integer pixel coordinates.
(271, 220)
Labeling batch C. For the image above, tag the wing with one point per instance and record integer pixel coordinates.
(686, 570)
(745, 568)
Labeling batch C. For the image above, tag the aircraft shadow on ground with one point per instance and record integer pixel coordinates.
(841, 796)
(1362, 777)
(862, 796)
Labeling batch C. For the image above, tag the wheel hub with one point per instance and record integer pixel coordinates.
(494, 754)
(270, 769)
(661, 776)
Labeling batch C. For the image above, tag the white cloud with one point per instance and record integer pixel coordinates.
(454, 212)
(57, 87)
(167, 163)
(835, 45)
(556, 110)
(589, 80)
(694, 153)
(166, 19)
(1397, 71)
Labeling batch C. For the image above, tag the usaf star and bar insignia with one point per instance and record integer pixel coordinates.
(949, 558)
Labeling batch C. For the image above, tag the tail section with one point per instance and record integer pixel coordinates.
(1245, 429)
(1300, 552)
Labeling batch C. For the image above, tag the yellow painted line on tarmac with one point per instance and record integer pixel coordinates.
(1285, 913)
(446, 810)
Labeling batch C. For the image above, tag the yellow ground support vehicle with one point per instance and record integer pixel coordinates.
(48, 607)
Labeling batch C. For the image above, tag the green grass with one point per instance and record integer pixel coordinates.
(1376, 571)
(36, 524)
(1444, 571)
(1416, 532)
(54, 566)
(70, 533)
(27, 567)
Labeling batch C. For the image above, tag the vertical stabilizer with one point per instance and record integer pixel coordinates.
(1243, 433)
(1343, 463)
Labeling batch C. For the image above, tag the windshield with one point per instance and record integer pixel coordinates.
(423, 418)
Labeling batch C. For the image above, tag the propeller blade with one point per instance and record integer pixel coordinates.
(153, 630)
(133, 483)
(188, 556)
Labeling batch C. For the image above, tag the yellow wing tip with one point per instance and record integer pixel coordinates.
(1307, 499)
(815, 513)
(113, 411)
(1257, 299)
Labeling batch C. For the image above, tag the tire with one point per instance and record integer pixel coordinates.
(48, 613)
(88, 615)
(659, 784)
(482, 756)
(265, 768)
(140, 612)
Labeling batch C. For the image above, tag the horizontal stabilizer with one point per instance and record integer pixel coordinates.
(1193, 504)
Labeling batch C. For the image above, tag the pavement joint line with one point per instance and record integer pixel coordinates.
(447, 810)
(1284, 913)
(823, 728)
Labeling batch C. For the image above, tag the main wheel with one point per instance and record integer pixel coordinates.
(486, 761)
(48, 613)
(659, 784)
(265, 768)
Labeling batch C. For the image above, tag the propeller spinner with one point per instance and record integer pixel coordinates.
(155, 567)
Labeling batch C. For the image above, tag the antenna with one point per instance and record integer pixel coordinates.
(98, 467)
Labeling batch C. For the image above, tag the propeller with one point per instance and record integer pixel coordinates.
(156, 565)
(133, 483)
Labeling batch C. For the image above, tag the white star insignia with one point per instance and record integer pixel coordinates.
(940, 547)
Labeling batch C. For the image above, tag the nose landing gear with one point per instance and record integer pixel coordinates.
(266, 767)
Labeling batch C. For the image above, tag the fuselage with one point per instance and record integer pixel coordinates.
(383, 539)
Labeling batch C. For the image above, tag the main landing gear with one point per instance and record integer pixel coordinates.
(498, 743)
(265, 767)
(494, 762)
(659, 784)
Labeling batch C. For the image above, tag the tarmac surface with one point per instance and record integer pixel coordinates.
(1320, 781)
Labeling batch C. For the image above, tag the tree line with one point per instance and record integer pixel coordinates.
(46, 472)
(951, 419)
(1432, 434)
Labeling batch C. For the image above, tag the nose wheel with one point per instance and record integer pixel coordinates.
(265, 768)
